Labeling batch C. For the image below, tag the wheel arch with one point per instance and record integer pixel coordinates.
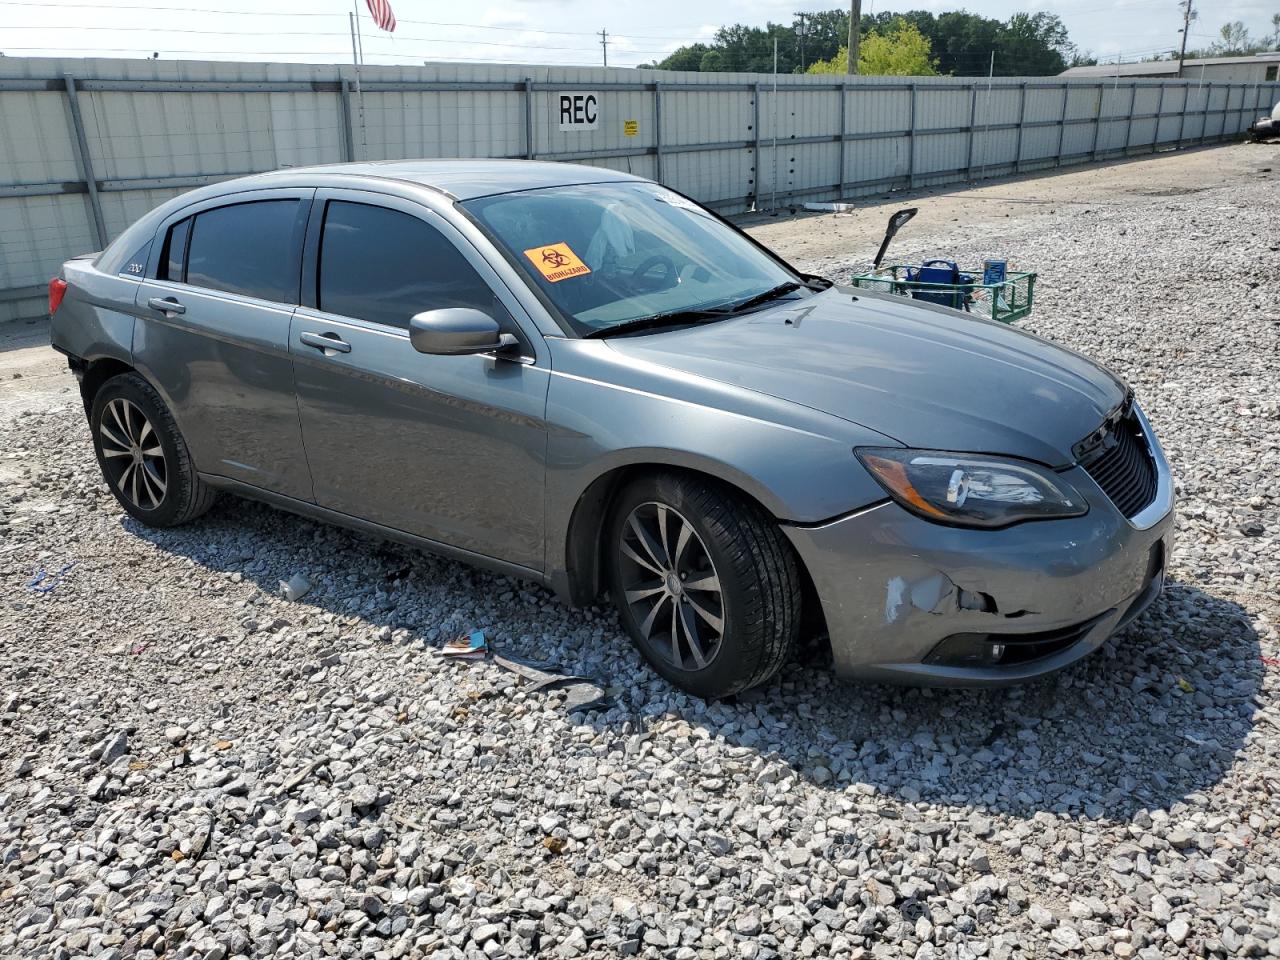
(98, 371)
(578, 575)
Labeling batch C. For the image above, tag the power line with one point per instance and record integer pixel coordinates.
(268, 13)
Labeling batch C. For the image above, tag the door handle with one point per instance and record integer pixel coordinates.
(325, 341)
(166, 305)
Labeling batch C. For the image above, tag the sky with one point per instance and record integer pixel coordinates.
(529, 31)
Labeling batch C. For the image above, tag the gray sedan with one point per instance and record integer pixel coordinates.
(585, 379)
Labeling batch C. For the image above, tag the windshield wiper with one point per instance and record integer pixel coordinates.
(677, 318)
(781, 290)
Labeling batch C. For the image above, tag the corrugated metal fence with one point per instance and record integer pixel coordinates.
(87, 146)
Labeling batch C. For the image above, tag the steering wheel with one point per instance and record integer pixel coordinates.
(641, 279)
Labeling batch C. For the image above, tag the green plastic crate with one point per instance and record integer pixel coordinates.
(1005, 302)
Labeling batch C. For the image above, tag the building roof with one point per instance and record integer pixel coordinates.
(1160, 68)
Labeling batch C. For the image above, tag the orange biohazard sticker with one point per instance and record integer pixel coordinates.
(556, 262)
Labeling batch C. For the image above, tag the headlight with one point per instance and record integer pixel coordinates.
(971, 490)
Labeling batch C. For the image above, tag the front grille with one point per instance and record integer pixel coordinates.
(1118, 459)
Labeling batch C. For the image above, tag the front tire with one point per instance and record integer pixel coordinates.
(704, 582)
(143, 456)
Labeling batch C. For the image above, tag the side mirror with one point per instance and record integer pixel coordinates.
(457, 331)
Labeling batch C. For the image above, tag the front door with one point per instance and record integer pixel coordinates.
(221, 287)
(447, 448)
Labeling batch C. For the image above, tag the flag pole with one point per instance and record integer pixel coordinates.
(357, 56)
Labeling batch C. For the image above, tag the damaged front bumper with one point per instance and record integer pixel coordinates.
(908, 601)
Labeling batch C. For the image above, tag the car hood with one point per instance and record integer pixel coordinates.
(927, 376)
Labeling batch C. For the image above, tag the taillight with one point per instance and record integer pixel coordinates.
(57, 290)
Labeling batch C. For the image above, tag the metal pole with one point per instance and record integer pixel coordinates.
(755, 125)
(357, 45)
(973, 122)
(1097, 123)
(1022, 120)
(348, 137)
(855, 36)
(1155, 134)
(657, 129)
(1128, 127)
(604, 45)
(85, 162)
(1062, 121)
(1182, 123)
(1208, 102)
(528, 118)
(774, 202)
(911, 141)
(986, 133)
(844, 133)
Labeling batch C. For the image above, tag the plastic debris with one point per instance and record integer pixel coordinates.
(45, 582)
(581, 693)
(830, 207)
(295, 588)
(1185, 685)
(468, 646)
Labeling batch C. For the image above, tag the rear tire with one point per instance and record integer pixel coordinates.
(142, 454)
(704, 582)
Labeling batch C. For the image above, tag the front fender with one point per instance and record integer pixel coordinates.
(605, 415)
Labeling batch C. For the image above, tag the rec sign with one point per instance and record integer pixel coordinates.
(579, 111)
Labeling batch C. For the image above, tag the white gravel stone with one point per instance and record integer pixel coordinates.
(193, 766)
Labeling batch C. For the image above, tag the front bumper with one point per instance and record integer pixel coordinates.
(894, 587)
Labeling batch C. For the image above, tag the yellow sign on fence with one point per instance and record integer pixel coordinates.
(630, 127)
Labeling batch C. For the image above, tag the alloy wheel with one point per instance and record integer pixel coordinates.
(133, 457)
(671, 586)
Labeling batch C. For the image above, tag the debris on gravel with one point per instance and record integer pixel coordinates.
(193, 765)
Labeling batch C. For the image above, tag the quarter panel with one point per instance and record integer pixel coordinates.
(97, 314)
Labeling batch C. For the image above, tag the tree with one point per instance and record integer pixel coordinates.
(1275, 31)
(960, 43)
(898, 49)
(1233, 40)
(1034, 45)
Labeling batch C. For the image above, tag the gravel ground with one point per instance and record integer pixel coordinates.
(193, 766)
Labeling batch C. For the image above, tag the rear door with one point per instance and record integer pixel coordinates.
(447, 448)
(222, 283)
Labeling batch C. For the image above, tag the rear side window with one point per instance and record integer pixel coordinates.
(173, 259)
(248, 248)
(384, 266)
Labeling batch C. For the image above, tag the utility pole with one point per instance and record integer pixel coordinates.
(1188, 14)
(604, 44)
(801, 34)
(855, 34)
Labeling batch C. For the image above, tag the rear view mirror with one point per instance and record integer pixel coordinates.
(457, 331)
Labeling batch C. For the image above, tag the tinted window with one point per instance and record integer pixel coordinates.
(248, 248)
(384, 266)
(173, 259)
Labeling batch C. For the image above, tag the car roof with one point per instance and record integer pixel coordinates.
(464, 179)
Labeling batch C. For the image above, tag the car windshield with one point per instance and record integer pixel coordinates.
(613, 255)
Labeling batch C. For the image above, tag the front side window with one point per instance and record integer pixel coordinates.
(384, 266)
(611, 254)
(247, 248)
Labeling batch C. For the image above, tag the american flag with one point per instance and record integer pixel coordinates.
(382, 14)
